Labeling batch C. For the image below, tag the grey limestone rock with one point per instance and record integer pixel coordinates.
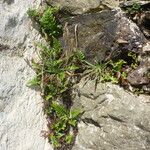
(113, 119)
(101, 36)
(84, 6)
(21, 114)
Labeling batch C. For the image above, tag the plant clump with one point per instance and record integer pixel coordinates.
(58, 70)
(54, 75)
(46, 20)
(134, 9)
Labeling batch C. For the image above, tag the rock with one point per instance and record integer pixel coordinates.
(141, 16)
(84, 6)
(140, 76)
(76, 6)
(111, 3)
(143, 21)
(146, 48)
(132, 2)
(14, 24)
(21, 114)
(113, 119)
(97, 35)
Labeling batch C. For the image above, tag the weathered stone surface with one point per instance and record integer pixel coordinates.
(76, 6)
(113, 119)
(21, 115)
(140, 76)
(102, 35)
(84, 6)
(131, 2)
(141, 17)
(143, 21)
(14, 24)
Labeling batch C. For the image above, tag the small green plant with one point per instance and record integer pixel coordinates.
(54, 72)
(46, 20)
(135, 62)
(33, 82)
(134, 9)
(64, 118)
(54, 77)
(110, 71)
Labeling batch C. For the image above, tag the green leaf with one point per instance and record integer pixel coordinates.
(118, 65)
(75, 113)
(60, 126)
(80, 55)
(54, 141)
(48, 97)
(36, 66)
(62, 75)
(108, 77)
(72, 68)
(69, 139)
(124, 75)
(33, 82)
(73, 122)
(59, 109)
(114, 79)
(56, 45)
(60, 135)
(48, 22)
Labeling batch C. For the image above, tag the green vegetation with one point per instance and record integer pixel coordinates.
(54, 76)
(57, 71)
(134, 9)
(46, 20)
(134, 64)
(54, 73)
(111, 71)
(65, 119)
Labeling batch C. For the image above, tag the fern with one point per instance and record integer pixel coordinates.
(54, 75)
(59, 109)
(48, 22)
(69, 138)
